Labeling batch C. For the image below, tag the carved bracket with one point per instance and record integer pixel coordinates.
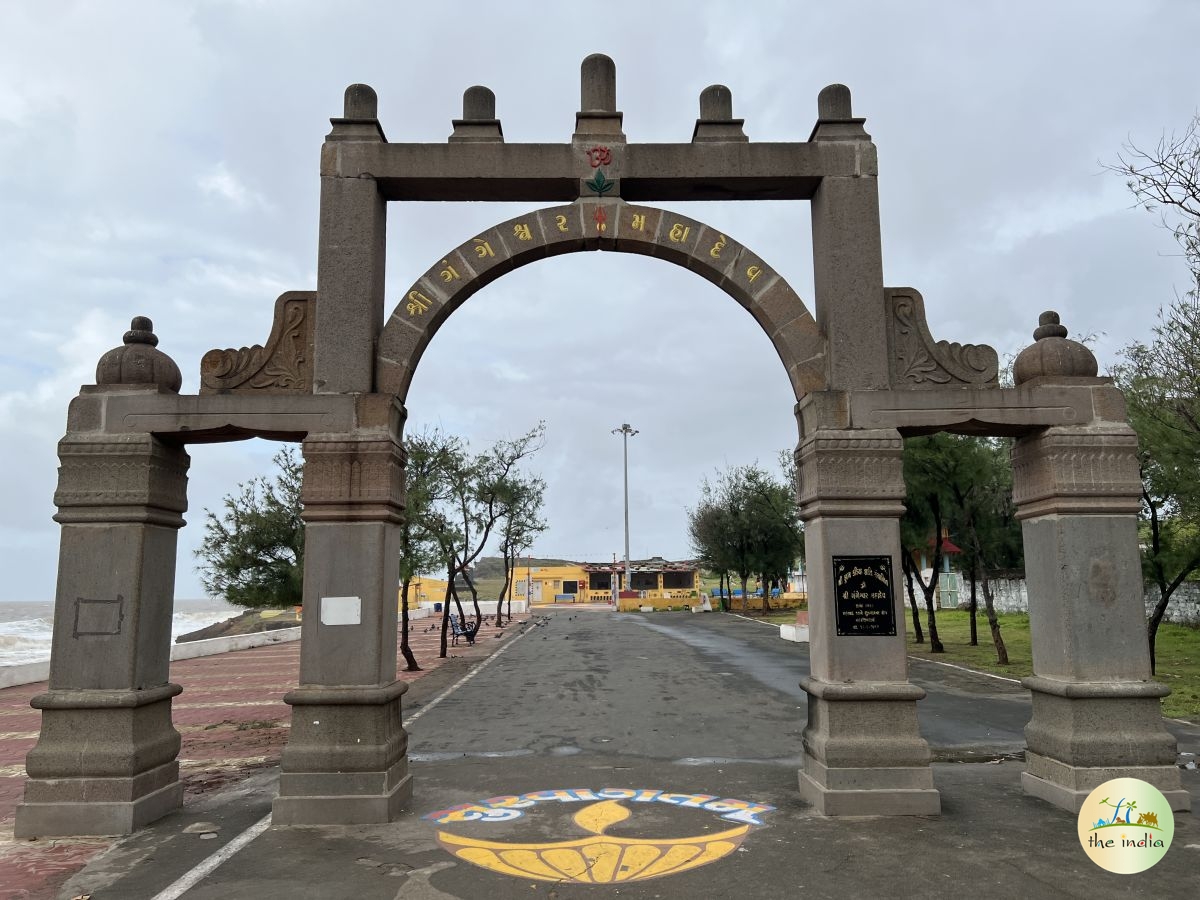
(918, 362)
(283, 366)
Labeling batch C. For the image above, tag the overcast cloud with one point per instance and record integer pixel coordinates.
(160, 159)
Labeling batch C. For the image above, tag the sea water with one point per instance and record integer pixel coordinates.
(27, 625)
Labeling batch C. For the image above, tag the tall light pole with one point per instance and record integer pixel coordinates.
(626, 433)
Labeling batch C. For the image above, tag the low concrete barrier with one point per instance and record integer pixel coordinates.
(32, 673)
(796, 633)
(25, 673)
(213, 646)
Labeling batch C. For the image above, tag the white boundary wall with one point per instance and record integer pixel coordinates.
(32, 673)
(1010, 595)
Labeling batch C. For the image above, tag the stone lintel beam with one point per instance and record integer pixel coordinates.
(550, 172)
(211, 418)
(964, 409)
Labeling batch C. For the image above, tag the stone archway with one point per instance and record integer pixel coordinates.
(601, 225)
(865, 370)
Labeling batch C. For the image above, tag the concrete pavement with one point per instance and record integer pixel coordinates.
(703, 708)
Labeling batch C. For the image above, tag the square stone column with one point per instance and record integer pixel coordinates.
(105, 761)
(1096, 711)
(346, 758)
(863, 753)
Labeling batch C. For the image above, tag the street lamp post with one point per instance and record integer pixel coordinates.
(626, 433)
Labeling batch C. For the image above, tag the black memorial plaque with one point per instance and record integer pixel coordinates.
(862, 595)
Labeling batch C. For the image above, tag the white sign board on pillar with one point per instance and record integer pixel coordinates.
(341, 611)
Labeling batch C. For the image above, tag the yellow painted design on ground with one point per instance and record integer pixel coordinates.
(598, 858)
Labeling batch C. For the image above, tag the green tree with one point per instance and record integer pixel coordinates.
(963, 484)
(1161, 378)
(983, 513)
(468, 495)
(520, 524)
(421, 550)
(926, 459)
(710, 529)
(747, 524)
(253, 554)
(1161, 381)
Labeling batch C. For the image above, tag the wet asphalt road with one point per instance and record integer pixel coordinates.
(680, 703)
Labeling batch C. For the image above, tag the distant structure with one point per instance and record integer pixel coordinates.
(654, 582)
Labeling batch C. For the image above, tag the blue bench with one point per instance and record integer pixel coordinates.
(458, 630)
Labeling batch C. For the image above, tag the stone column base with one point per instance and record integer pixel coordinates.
(863, 754)
(1083, 734)
(105, 763)
(79, 811)
(1067, 786)
(346, 761)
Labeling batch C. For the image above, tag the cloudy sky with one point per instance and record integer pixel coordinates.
(160, 159)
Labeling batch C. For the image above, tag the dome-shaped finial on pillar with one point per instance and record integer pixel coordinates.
(835, 117)
(361, 102)
(834, 102)
(598, 84)
(479, 123)
(139, 361)
(479, 102)
(598, 118)
(1053, 354)
(716, 122)
(716, 102)
(360, 117)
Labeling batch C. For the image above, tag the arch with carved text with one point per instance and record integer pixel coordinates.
(601, 225)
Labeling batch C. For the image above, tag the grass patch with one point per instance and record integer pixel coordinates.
(1177, 649)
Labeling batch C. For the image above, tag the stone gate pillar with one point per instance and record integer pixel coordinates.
(847, 251)
(1096, 711)
(350, 256)
(346, 758)
(863, 754)
(105, 761)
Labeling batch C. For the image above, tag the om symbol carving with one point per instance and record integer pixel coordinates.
(599, 156)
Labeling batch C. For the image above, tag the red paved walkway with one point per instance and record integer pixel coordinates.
(233, 721)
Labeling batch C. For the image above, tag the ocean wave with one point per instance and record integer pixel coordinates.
(16, 649)
(28, 640)
(36, 627)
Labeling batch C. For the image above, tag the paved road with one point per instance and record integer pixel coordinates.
(706, 707)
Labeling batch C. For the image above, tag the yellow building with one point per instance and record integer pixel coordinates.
(424, 590)
(654, 582)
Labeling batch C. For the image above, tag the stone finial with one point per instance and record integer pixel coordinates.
(716, 122)
(598, 84)
(361, 102)
(834, 102)
(716, 102)
(479, 122)
(598, 118)
(1053, 354)
(139, 361)
(360, 116)
(835, 117)
(479, 103)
